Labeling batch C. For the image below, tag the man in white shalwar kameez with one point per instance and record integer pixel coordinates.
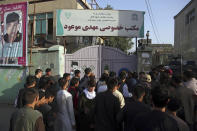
(65, 120)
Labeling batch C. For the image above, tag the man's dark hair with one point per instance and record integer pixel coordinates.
(92, 83)
(142, 73)
(112, 83)
(135, 75)
(177, 78)
(12, 17)
(74, 81)
(123, 75)
(130, 75)
(174, 105)
(77, 72)
(48, 70)
(160, 96)
(112, 74)
(29, 95)
(164, 77)
(50, 92)
(93, 77)
(138, 91)
(30, 80)
(104, 77)
(38, 71)
(44, 83)
(62, 82)
(87, 71)
(66, 75)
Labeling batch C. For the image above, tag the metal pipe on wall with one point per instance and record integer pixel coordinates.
(32, 37)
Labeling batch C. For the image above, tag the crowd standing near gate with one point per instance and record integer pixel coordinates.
(161, 100)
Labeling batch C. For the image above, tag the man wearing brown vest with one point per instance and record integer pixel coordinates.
(26, 118)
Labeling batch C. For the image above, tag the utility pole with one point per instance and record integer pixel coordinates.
(136, 45)
(147, 36)
(94, 3)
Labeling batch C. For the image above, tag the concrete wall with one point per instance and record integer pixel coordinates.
(144, 60)
(52, 57)
(186, 34)
(13, 78)
(161, 53)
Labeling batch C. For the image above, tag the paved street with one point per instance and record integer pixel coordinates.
(5, 113)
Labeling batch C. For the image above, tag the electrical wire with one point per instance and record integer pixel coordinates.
(94, 3)
(151, 21)
(154, 21)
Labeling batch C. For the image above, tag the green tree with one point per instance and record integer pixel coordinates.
(108, 7)
(121, 43)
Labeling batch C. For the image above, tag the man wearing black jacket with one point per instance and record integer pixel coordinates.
(133, 107)
(30, 83)
(84, 81)
(38, 75)
(107, 108)
(157, 119)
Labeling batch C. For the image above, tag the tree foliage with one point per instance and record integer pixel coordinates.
(108, 7)
(121, 43)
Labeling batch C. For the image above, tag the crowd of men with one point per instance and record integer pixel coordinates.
(161, 100)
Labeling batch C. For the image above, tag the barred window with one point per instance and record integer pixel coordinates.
(190, 17)
(43, 25)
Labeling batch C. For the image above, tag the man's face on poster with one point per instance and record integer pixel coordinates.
(12, 29)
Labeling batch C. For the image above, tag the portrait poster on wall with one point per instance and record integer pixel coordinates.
(13, 38)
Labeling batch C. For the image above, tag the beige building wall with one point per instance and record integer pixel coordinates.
(186, 34)
(47, 6)
(79, 6)
(161, 53)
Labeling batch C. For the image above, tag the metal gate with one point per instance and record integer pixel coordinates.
(100, 58)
